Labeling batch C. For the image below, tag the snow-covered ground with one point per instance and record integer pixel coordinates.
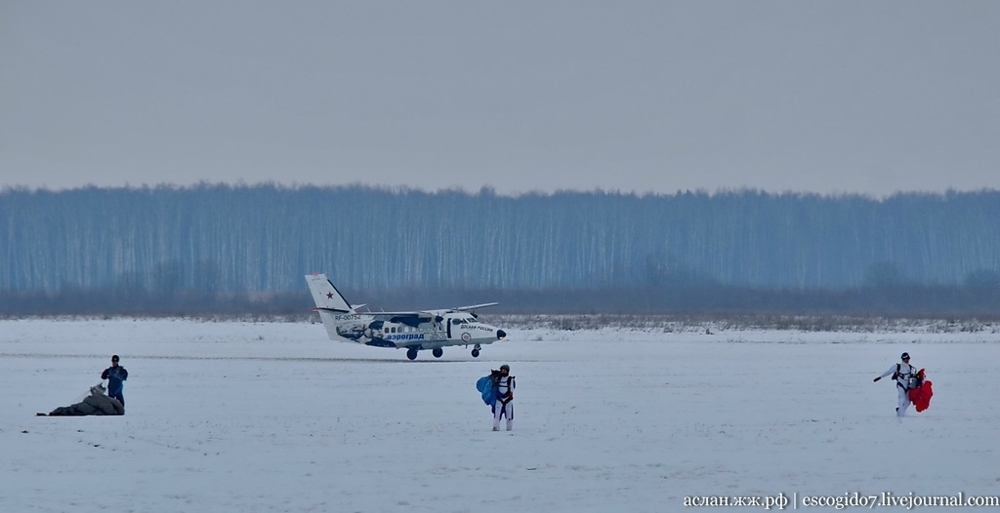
(229, 416)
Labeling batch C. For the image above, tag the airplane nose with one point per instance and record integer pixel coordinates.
(501, 334)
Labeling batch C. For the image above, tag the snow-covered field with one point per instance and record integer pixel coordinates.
(230, 416)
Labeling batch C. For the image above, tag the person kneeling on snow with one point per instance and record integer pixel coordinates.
(504, 405)
(94, 404)
(906, 379)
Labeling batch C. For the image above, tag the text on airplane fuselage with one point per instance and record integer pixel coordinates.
(406, 336)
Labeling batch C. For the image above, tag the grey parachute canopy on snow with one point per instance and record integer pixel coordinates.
(97, 403)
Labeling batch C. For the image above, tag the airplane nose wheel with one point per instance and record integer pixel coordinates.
(475, 351)
(437, 352)
(411, 354)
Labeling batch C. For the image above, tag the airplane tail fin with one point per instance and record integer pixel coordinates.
(326, 296)
(335, 312)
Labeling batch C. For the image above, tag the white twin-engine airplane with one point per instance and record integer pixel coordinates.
(416, 331)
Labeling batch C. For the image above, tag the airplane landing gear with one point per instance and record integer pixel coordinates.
(437, 352)
(475, 351)
(411, 354)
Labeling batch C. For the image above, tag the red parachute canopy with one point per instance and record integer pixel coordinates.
(921, 396)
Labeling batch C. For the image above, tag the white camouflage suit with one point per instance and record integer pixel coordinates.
(902, 382)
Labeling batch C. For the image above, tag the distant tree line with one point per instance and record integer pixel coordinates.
(905, 301)
(217, 243)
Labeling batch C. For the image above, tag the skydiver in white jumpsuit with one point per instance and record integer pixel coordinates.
(901, 372)
(504, 405)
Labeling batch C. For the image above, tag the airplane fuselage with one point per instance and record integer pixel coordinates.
(459, 329)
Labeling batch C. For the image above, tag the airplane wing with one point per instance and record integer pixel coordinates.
(475, 307)
(414, 314)
(429, 313)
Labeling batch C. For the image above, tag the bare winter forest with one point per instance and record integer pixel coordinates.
(243, 249)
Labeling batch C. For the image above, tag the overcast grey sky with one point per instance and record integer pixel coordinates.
(836, 96)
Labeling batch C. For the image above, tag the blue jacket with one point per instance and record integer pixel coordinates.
(116, 377)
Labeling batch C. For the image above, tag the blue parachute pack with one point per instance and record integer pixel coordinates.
(487, 389)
